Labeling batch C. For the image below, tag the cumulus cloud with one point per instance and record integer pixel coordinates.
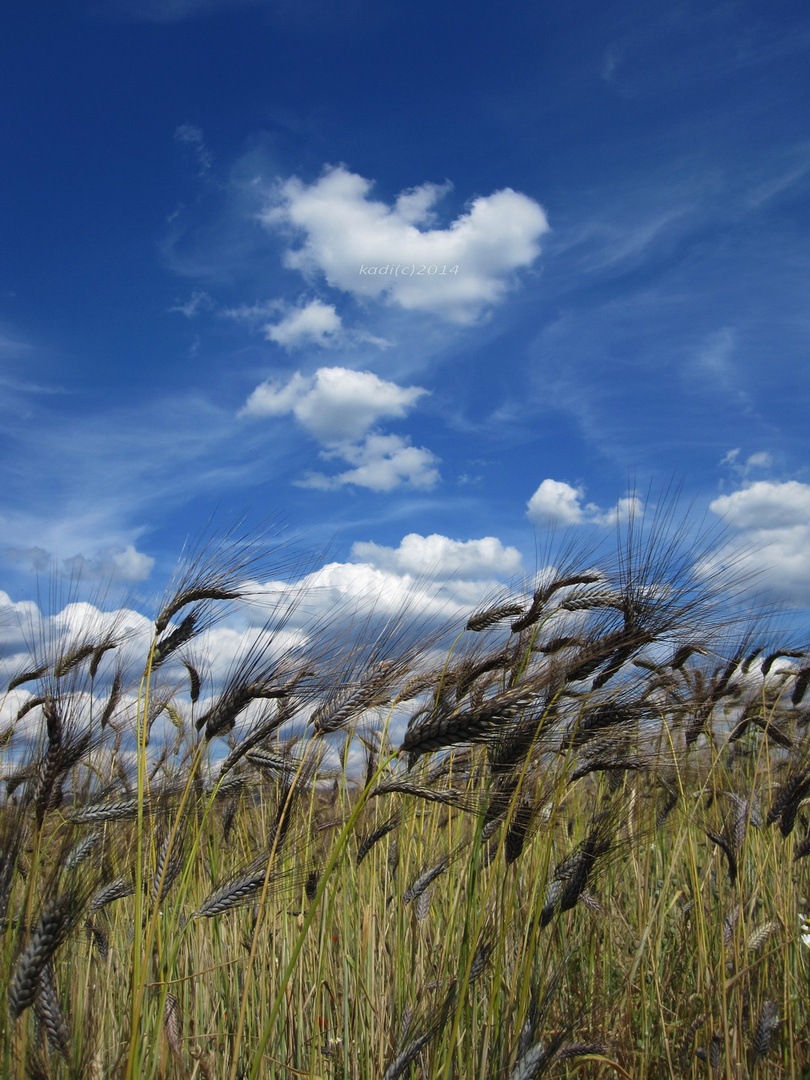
(339, 587)
(390, 581)
(338, 407)
(773, 519)
(335, 404)
(558, 503)
(294, 326)
(315, 324)
(397, 253)
(765, 505)
(380, 463)
(438, 556)
(126, 564)
(418, 592)
(28, 635)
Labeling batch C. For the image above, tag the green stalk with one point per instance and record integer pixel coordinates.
(340, 845)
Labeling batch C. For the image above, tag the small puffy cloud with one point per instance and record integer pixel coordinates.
(438, 556)
(131, 565)
(773, 519)
(276, 399)
(558, 503)
(315, 324)
(335, 404)
(397, 254)
(627, 508)
(338, 406)
(380, 463)
(309, 322)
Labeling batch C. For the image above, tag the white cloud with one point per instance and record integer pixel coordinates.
(335, 404)
(338, 406)
(765, 505)
(129, 564)
(776, 185)
(558, 503)
(338, 590)
(376, 251)
(81, 620)
(305, 323)
(316, 323)
(773, 519)
(9, 347)
(381, 463)
(28, 635)
(418, 595)
(437, 556)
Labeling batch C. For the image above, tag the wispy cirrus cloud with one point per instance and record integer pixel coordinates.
(104, 484)
(743, 467)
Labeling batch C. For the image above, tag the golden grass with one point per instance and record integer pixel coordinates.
(585, 856)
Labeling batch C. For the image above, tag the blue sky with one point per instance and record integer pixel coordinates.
(198, 199)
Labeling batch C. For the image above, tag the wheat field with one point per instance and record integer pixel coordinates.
(563, 836)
